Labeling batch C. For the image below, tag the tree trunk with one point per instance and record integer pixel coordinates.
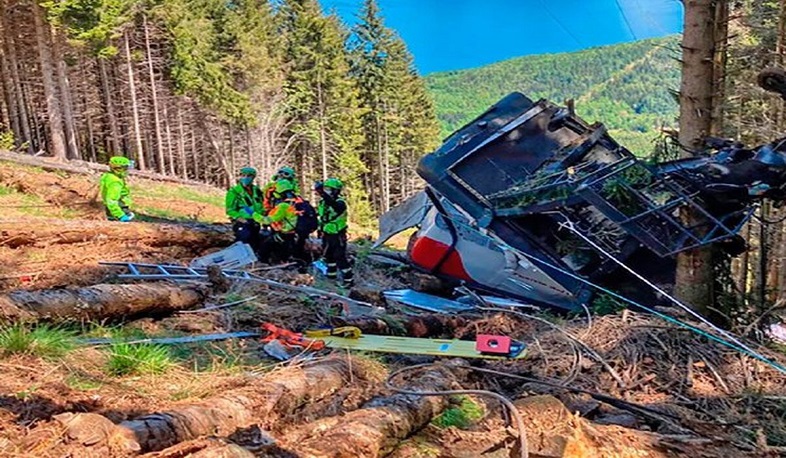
(322, 134)
(23, 135)
(181, 146)
(53, 104)
(694, 282)
(69, 123)
(379, 426)
(134, 105)
(168, 135)
(9, 93)
(114, 137)
(156, 119)
(91, 141)
(98, 302)
(219, 152)
(281, 393)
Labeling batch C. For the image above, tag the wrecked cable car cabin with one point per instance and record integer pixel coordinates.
(529, 201)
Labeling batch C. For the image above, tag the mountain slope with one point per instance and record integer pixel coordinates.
(625, 86)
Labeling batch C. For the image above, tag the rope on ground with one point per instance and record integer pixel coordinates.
(732, 341)
(570, 337)
(524, 451)
(741, 349)
(222, 306)
(620, 403)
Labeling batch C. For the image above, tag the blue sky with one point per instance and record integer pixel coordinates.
(455, 34)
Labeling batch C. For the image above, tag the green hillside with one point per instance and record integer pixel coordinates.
(626, 86)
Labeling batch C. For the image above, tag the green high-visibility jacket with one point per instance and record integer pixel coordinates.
(332, 216)
(238, 199)
(283, 218)
(270, 189)
(115, 194)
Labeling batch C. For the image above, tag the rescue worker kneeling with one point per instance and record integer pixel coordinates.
(114, 190)
(282, 219)
(332, 211)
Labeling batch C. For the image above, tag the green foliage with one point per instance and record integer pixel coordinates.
(462, 415)
(92, 22)
(604, 304)
(7, 141)
(130, 359)
(627, 89)
(398, 116)
(44, 340)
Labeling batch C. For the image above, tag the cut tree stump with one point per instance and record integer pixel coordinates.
(377, 428)
(263, 401)
(98, 302)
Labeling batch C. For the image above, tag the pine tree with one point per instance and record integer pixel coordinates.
(322, 101)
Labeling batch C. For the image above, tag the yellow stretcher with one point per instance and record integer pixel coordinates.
(412, 345)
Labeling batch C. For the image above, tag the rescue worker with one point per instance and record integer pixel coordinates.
(284, 173)
(114, 190)
(243, 206)
(282, 220)
(332, 211)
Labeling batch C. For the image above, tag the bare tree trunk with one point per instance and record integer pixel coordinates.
(156, 119)
(9, 93)
(88, 117)
(134, 105)
(386, 179)
(23, 133)
(379, 186)
(694, 282)
(721, 35)
(65, 92)
(194, 152)
(181, 147)
(322, 133)
(53, 104)
(219, 153)
(114, 136)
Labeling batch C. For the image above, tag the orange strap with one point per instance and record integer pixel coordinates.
(289, 338)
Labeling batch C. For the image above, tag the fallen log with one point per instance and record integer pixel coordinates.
(377, 428)
(14, 234)
(262, 401)
(98, 302)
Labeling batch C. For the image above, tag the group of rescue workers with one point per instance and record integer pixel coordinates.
(275, 220)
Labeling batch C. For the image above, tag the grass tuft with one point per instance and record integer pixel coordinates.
(462, 415)
(142, 359)
(44, 340)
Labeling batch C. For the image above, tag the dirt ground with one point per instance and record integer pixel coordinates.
(623, 385)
